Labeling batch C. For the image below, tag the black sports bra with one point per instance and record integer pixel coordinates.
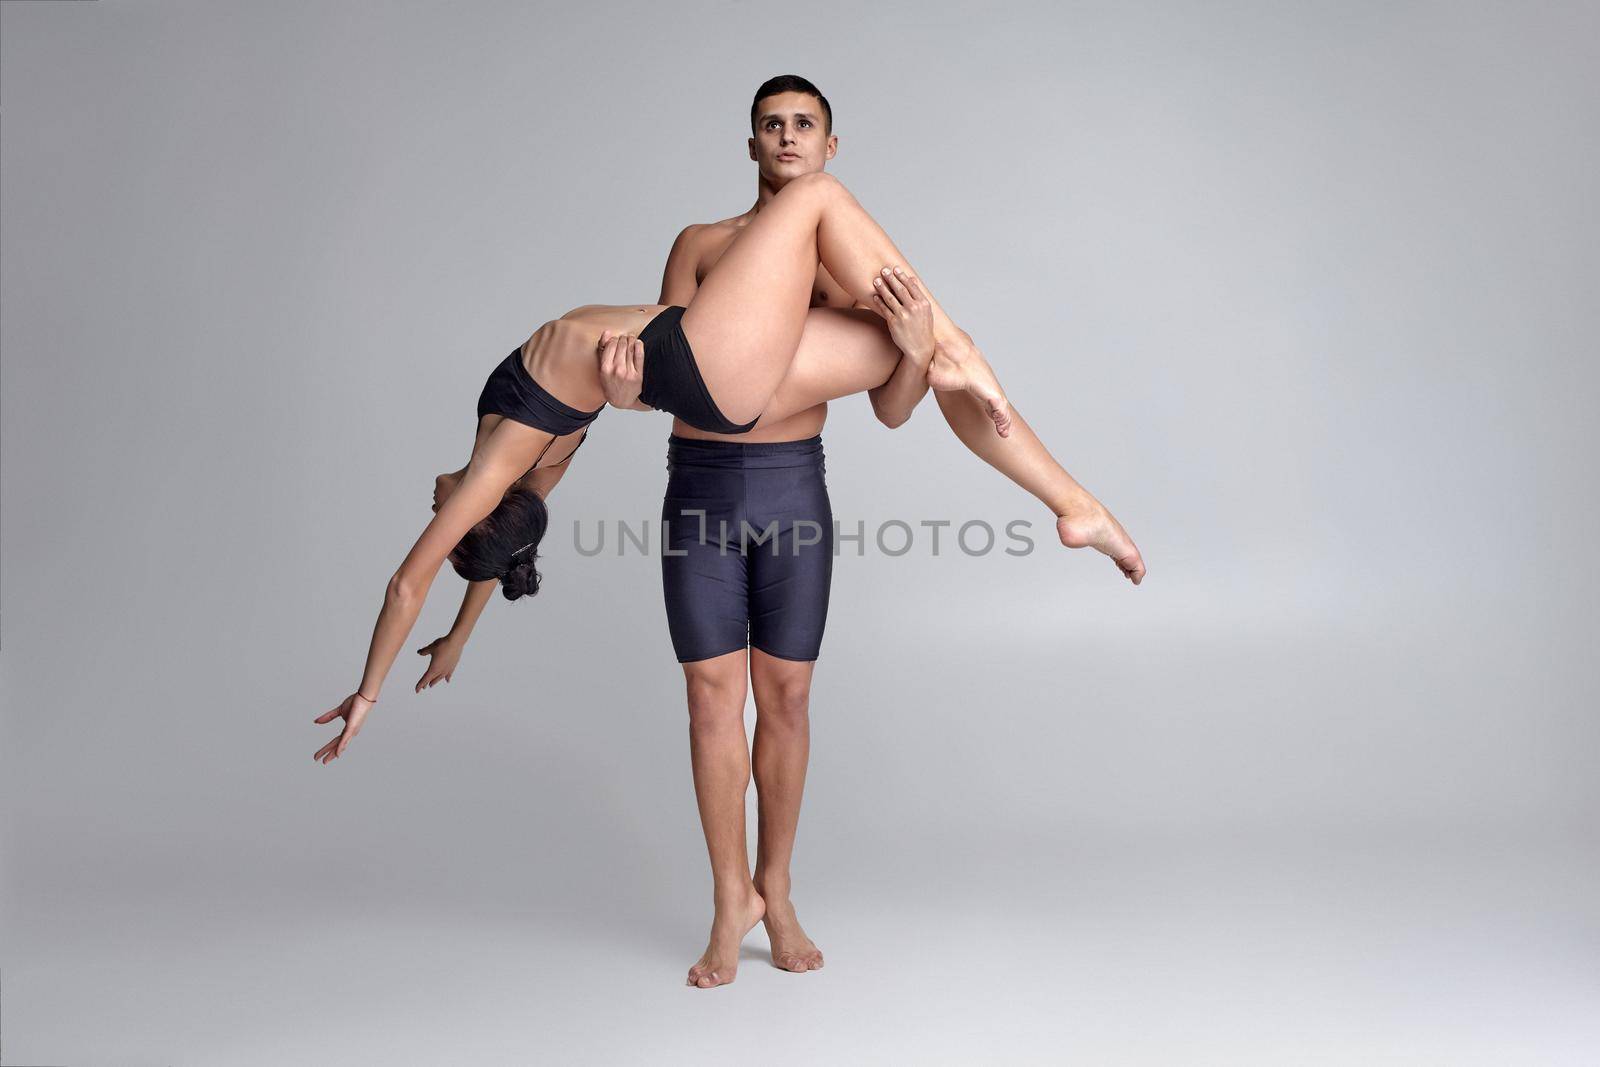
(512, 392)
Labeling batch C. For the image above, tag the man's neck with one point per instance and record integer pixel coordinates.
(764, 194)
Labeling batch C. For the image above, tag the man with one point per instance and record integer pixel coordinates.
(749, 611)
(784, 598)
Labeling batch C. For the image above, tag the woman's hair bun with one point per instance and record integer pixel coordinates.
(521, 580)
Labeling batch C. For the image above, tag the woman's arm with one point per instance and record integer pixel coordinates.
(508, 452)
(445, 652)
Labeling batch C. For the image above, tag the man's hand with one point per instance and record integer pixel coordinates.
(622, 370)
(444, 653)
(899, 300)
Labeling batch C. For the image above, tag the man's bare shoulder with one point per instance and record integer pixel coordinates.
(711, 238)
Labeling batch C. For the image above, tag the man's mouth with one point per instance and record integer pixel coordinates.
(784, 157)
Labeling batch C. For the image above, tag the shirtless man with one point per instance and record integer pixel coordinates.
(744, 612)
(781, 588)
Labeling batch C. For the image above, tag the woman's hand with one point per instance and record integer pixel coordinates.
(622, 370)
(898, 298)
(352, 711)
(446, 653)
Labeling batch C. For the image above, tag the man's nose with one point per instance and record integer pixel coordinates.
(786, 137)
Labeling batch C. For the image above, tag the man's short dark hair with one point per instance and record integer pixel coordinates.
(790, 83)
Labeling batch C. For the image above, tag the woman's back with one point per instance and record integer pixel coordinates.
(563, 355)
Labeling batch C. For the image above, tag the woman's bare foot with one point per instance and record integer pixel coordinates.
(959, 365)
(734, 919)
(792, 950)
(1090, 525)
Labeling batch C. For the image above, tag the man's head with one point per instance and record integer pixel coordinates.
(792, 129)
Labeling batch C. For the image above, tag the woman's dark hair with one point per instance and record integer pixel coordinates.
(505, 544)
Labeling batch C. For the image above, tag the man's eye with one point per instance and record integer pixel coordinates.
(803, 122)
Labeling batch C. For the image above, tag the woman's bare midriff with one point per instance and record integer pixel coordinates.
(563, 355)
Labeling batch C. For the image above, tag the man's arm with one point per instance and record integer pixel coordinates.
(680, 280)
(900, 302)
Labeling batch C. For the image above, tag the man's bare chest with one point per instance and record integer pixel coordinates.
(825, 292)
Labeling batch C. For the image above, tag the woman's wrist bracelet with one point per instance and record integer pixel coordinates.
(363, 696)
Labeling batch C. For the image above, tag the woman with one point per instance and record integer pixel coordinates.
(733, 357)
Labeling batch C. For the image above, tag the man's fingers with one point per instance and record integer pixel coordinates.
(887, 295)
(897, 283)
(916, 289)
(636, 358)
(881, 308)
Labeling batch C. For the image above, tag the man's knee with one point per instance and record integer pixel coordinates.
(784, 699)
(716, 697)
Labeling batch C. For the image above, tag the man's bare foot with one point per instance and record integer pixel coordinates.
(959, 365)
(1090, 525)
(733, 920)
(792, 950)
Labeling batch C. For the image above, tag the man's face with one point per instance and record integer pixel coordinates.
(791, 137)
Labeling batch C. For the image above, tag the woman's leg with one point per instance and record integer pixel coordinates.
(747, 317)
(846, 352)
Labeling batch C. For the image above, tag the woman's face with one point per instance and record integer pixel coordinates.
(443, 486)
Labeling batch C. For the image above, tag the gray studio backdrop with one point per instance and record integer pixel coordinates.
(1305, 292)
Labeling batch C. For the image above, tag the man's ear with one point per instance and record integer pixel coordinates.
(752, 143)
(833, 146)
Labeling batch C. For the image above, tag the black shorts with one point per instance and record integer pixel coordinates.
(672, 380)
(747, 547)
